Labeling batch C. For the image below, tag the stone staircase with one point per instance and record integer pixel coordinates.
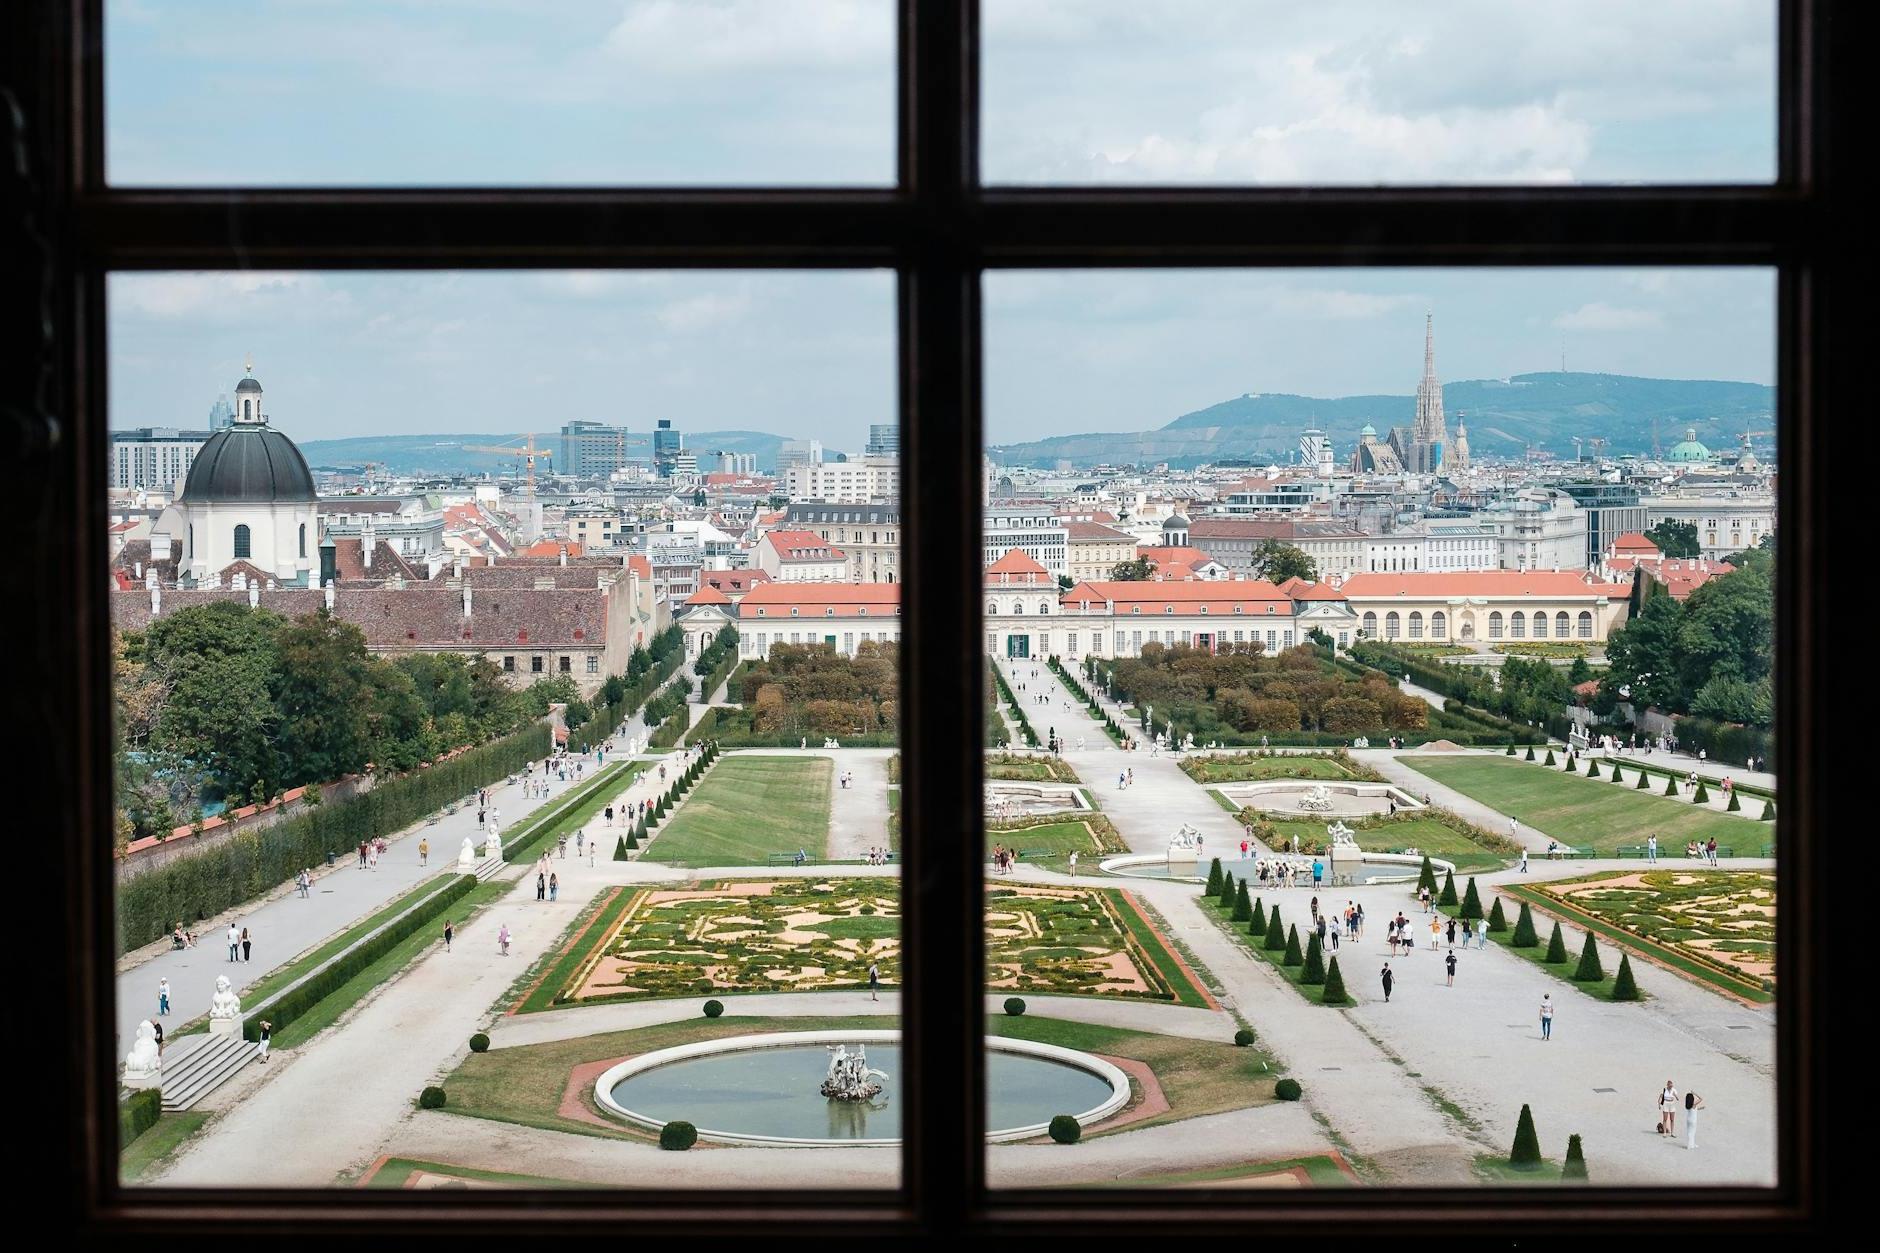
(489, 868)
(196, 1065)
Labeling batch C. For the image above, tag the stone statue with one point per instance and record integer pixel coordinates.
(492, 843)
(1185, 837)
(1341, 834)
(144, 1063)
(850, 1077)
(467, 855)
(1318, 799)
(225, 1008)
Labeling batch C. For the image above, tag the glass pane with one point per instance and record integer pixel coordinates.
(1374, 92)
(410, 93)
(533, 773)
(1305, 590)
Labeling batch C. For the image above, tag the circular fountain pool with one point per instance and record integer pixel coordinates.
(764, 1089)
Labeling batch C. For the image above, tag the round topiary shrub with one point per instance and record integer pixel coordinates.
(678, 1136)
(1288, 1090)
(1066, 1130)
(1014, 1005)
(479, 1043)
(714, 1008)
(431, 1098)
(1243, 1037)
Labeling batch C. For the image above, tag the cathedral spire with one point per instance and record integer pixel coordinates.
(1430, 435)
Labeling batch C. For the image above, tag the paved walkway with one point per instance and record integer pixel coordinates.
(284, 926)
(858, 814)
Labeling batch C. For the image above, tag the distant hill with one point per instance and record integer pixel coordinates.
(449, 454)
(1503, 416)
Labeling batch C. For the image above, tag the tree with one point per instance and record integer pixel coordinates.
(1726, 699)
(1447, 898)
(1579, 672)
(1135, 570)
(1592, 767)
(1426, 878)
(1702, 795)
(1616, 777)
(1643, 655)
(1257, 924)
(1243, 908)
(1472, 902)
(1275, 932)
(1524, 936)
(1589, 971)
(1675, 538)
(1575, 1166)
(1526, 1154)
(1671, 785)
(1556, 947)
(1214, 878)
(1644, 782)
(1334, 985)
(1227, 890)
(1314, 972)
(1728, 630)
(1293, 956)
(1624, 987)
(1276, 562)
(1530, 752)
(1497, 921)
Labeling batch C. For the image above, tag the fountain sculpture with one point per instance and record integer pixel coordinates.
(850, 1077)
(1317, 799)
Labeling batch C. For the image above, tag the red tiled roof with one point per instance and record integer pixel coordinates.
(1299, 589)
(551, 548)
(519, 619)
(773, 600)
(1634, 544)
(1098, 531)
(350, 566)
(1173, 554)
(1015, 561)
(802, 546)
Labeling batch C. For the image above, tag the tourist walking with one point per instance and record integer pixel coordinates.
(1450, 932)
(247, 944)
(1481, 934)
(1514, 829)
(541, 886)
(502, 940)
(874, 981)
(449, 931)
(1073, 863)
(266, 1031)
(163, 997)
(1547, 1016)
(1423, 897)
(554, 887)
(1524, 868)
(234, 942)
(1668, 1110)
(1386, 978)
(1692, 1103)
(1450, 961)
(1711, 850)
(1651, 847)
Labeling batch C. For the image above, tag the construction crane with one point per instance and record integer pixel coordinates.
(528, 452)
(1598, 442)
(1577, 441)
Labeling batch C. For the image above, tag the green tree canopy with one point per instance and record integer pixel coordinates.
(1276, 562)
(1674, 538)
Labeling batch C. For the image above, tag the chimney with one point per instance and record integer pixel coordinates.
(270, 585)
(564, 554)
(140, 569)
(466, 600)
(329, 595)
(366, 545)
(254, 596)
(459, 567)
(156, 599)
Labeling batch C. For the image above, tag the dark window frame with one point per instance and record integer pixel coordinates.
(938, 229)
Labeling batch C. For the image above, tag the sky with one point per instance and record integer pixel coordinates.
(456, 92)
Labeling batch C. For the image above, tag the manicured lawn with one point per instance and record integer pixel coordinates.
(1324, 1172)
(536, 989)
(397, 1170)
(1494, 1168)
(1591, 814)
(1244, 767)
(1197, 1076)
(1426, 835)
(154, 1146)
(1055, 840)
(1028, 769)
(1156, 945)
(746, 808)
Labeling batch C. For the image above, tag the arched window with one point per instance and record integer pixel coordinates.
(248, 408)
(242, 543)
(1517, 625)
(1044, 607)
(1561, 627)
(992, 609)
(1540, 626)
(1586, 624)
(1416, 626)
(1370, 626)
(1393, 627)
(1494, 625)
(303, 539)
(191, 550)
(1439, 625)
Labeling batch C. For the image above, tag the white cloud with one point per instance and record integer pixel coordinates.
(1600, 316)
(682, 36)
(187, 294)
(704, 312)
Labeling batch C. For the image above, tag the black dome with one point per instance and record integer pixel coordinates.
(248, 385)
(248, 461)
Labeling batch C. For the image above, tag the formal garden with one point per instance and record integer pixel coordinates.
(1591, 814)
(1337, 765)
(747, 808)
(1433, 832)
(1716, 925)
(802, 935)
(1019, 767)
(808, 693)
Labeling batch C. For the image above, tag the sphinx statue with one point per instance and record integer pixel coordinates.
(467, 855)
(225, 1008)
(143, 1065)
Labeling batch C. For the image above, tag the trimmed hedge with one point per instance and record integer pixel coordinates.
(1524, 935)
(535, 830)
(1589, 971)
(328, 979)
(1288, 1090)
(1557, 947)
(250, 863)
(1014, 1005)
(678, 1136)
(1526, 1154)
(479, 1043)
(138, 1113)
(667, 652)
(1575, 1165)
(1624, 986)
(432, 1098)
(1497, 921)
(1066, 1129)
(1334, 993)
(1243, 1038)
(714, 1008)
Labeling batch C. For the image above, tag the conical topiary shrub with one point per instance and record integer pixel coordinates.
(1257, 926)
(1314, 973)
(1589, 971)
(1497, 921)
(1524, 936)
(1550, 758)
(1702, 795)
(1471, 901)
(620, 849)
(1624, 987)
(1556, 947)
(1447, 898)
(1530, 752)
(1644, 781)
(1769, 811)
(1526, 1154)
(1228, 894)
(1214, 878)
(1574, 1169)
(1293, 956)
(1592, 768)
(1243, 908)
(1275, 932)
(1427, 877)
(1616, 776)
(1734, 805)
(1509, 751)
(1334, 993)
(1671, 785)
